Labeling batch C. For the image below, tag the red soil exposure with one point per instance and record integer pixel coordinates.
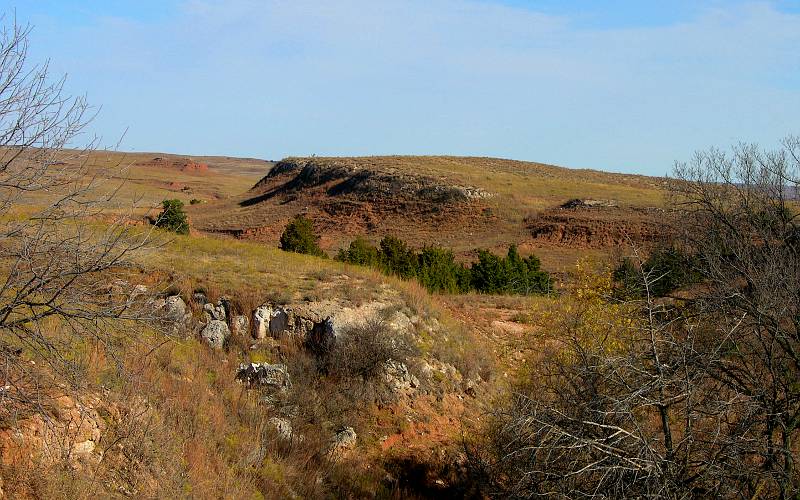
(185, 165)
(597, 227)
(344, 200)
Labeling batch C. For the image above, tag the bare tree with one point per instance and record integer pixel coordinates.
(63, 255)
(602, 418)
(684, 399)
(742, 221)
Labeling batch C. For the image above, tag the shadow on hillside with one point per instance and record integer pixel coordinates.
(263, 197)
(416, 478)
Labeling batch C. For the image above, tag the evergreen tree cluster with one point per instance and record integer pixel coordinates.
(172, 217)
(299, 237)
(673, 267)
(437, 270)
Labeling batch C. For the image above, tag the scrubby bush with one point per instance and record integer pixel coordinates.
(671, 268)
(397, 259)
(512, 274)
(360, 252)
(489, 273)
(363, 350)
(299, 237)
(437, 270)
(172, 217)
(677, 268)
(525, 274)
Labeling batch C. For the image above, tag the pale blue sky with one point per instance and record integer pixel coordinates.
(623, 85)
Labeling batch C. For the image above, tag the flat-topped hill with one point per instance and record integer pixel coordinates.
(458, 202)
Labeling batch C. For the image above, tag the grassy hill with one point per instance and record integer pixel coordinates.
(462, 203)
(457, 202)
(178, 404)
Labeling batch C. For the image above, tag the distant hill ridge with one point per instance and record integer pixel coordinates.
(365, 180)
(461, 203)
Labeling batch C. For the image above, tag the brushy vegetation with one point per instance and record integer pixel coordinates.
(642, 397)
(674, 267)
(363, 350)
(172, 217)
(299, 237)
(437, 270)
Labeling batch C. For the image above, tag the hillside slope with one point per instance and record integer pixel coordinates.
(458, 202)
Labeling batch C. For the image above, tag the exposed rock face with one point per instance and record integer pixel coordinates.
(261, 317)
(596, 224)
(398, 378)
(175, 308)
(200, 298)
(215, 312)
(470, 388)
(240, 324)
(349, 196)
(589, 203)
(305, 323)
(278, 321)
(183, 164)
(283, 321)
(216, 332)
(283, 427)
(433, 369)
(72, 433)
(264, 374)
(322, 336)
(341, 177)
(345, 439)
(400, 322)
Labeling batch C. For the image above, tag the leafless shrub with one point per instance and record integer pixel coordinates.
(742, 220)
(363, 350)
(605, 419)
(689, 399)
(65, 258)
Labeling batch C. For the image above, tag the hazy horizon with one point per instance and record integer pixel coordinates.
(618, 85)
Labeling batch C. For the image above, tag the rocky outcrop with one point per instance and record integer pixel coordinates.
(588, 203)
(184, 165)
(597, 224)
(240, 325)
(274, 377)
(261, 318)
(440, 374)
(283, 427)
(172, 312)
(303, 323)
(71, 433)
(341, 177)
(398, 378)
(344, 439)
(215, 312)
(175, 308)
(471, 388)
(215, 333)
(200, 298)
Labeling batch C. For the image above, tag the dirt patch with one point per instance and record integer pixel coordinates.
(459, 203)
(345, 199)
(184, 165)
(578, 225)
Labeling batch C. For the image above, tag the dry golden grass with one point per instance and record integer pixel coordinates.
(520, 192)
(190, 430)
(521, 185)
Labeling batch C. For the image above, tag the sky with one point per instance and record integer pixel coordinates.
(619, 85)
